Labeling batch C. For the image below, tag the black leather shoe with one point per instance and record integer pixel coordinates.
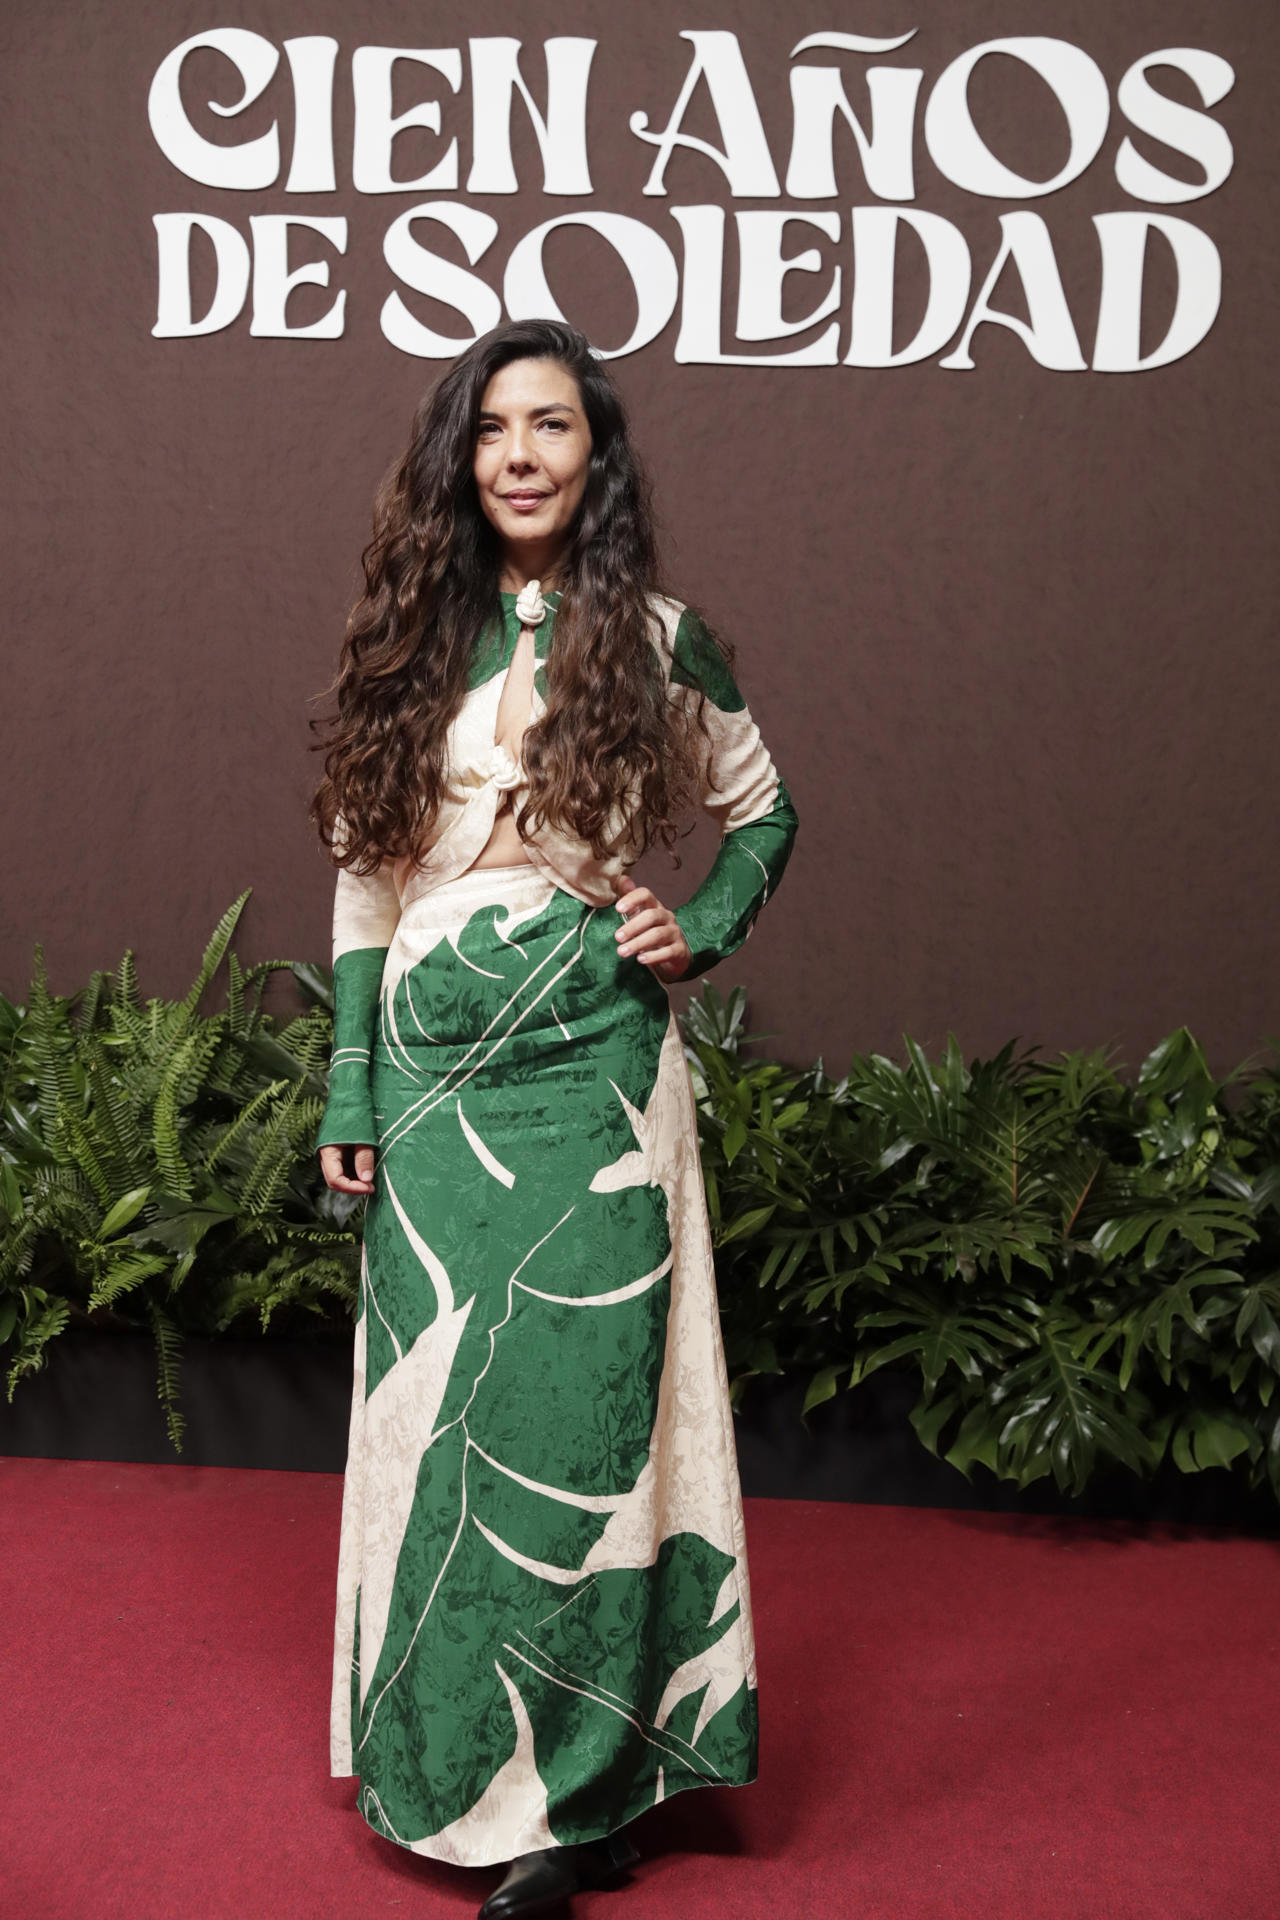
(536, 1881)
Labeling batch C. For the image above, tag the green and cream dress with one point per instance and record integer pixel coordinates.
(543, 1615)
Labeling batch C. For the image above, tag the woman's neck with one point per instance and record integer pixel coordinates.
(516, 571)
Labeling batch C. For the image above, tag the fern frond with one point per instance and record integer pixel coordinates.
(179, 1085)
(235, 994)
(83, 1150)
(123, 1275)
(123, 1141)
(90, 1007)
(126, 998)
(269, 1175)
(42, 1025)
(234, 1134)
(213, 953)
(168, 1371)
(256, 979)
(33, 1340)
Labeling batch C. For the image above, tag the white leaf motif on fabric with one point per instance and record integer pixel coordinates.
(482, 1153)
(631, 1169)
(486, 1827)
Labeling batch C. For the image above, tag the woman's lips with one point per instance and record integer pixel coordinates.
(524, 502)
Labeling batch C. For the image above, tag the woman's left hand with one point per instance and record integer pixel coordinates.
(652, 932)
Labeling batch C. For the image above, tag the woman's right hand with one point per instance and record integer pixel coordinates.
(335, 1165)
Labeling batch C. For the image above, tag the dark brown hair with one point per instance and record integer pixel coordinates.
(608, 736)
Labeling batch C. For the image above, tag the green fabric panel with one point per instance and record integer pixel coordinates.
(534, 1523)
(698, 662)
(489, 657)
(357, 986)
(727, 1736)
(617, 1348)
(744, 874)
(497, 644)
(589, 1677)
(480, 1228)
(597, 1640)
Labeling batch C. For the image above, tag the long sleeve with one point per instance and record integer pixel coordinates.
(366, 912)
(743, 792)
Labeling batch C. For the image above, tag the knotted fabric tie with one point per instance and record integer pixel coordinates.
(531, 608)
(503, 770)
(492, 767)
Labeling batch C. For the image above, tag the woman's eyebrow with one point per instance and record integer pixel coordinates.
(535, 413)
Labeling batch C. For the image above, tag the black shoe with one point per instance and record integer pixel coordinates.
(536, 1881)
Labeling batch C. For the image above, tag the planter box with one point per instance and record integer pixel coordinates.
(861, 1446)
(247, 1402)
(285, 1403)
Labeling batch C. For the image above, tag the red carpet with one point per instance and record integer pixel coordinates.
(964, 1717)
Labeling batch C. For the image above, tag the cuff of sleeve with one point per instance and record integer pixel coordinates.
(348, 1122)
(705, 952)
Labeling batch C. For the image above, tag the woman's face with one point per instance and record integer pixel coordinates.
(533, 447)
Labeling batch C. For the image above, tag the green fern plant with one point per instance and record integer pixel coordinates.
(157, 1163)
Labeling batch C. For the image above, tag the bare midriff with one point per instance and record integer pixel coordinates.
(504, 847)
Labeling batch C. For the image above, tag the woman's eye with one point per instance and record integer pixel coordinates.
(562, 424)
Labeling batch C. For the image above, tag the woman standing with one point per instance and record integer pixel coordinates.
(543, 1620)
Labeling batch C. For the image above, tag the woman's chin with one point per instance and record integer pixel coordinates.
(535, 531)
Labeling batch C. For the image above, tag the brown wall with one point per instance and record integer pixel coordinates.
(1008, 632)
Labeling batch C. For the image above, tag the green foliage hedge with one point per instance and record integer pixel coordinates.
(1080, 1270)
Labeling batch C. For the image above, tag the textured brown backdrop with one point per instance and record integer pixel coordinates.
(1008, 633)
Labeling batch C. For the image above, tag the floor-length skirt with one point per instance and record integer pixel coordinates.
(544, 1621)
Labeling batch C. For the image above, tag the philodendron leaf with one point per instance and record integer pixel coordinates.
(1053, 1413)
(821, 1387)
(1200, 1221)
(1257, 1320)
(1273, 1455)
(929, 1417)
(763, 1357)
(944, 1335)
(1212, 1437)
(975, 1442)
(1158, 1430)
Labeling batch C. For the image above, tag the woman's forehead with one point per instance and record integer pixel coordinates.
(522, 386)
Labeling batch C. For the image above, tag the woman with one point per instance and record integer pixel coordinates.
(543, 1618)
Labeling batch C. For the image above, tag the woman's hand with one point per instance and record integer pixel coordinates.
(334, 1162)
(652, 932)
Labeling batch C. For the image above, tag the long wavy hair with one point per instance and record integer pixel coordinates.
(609, 737)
